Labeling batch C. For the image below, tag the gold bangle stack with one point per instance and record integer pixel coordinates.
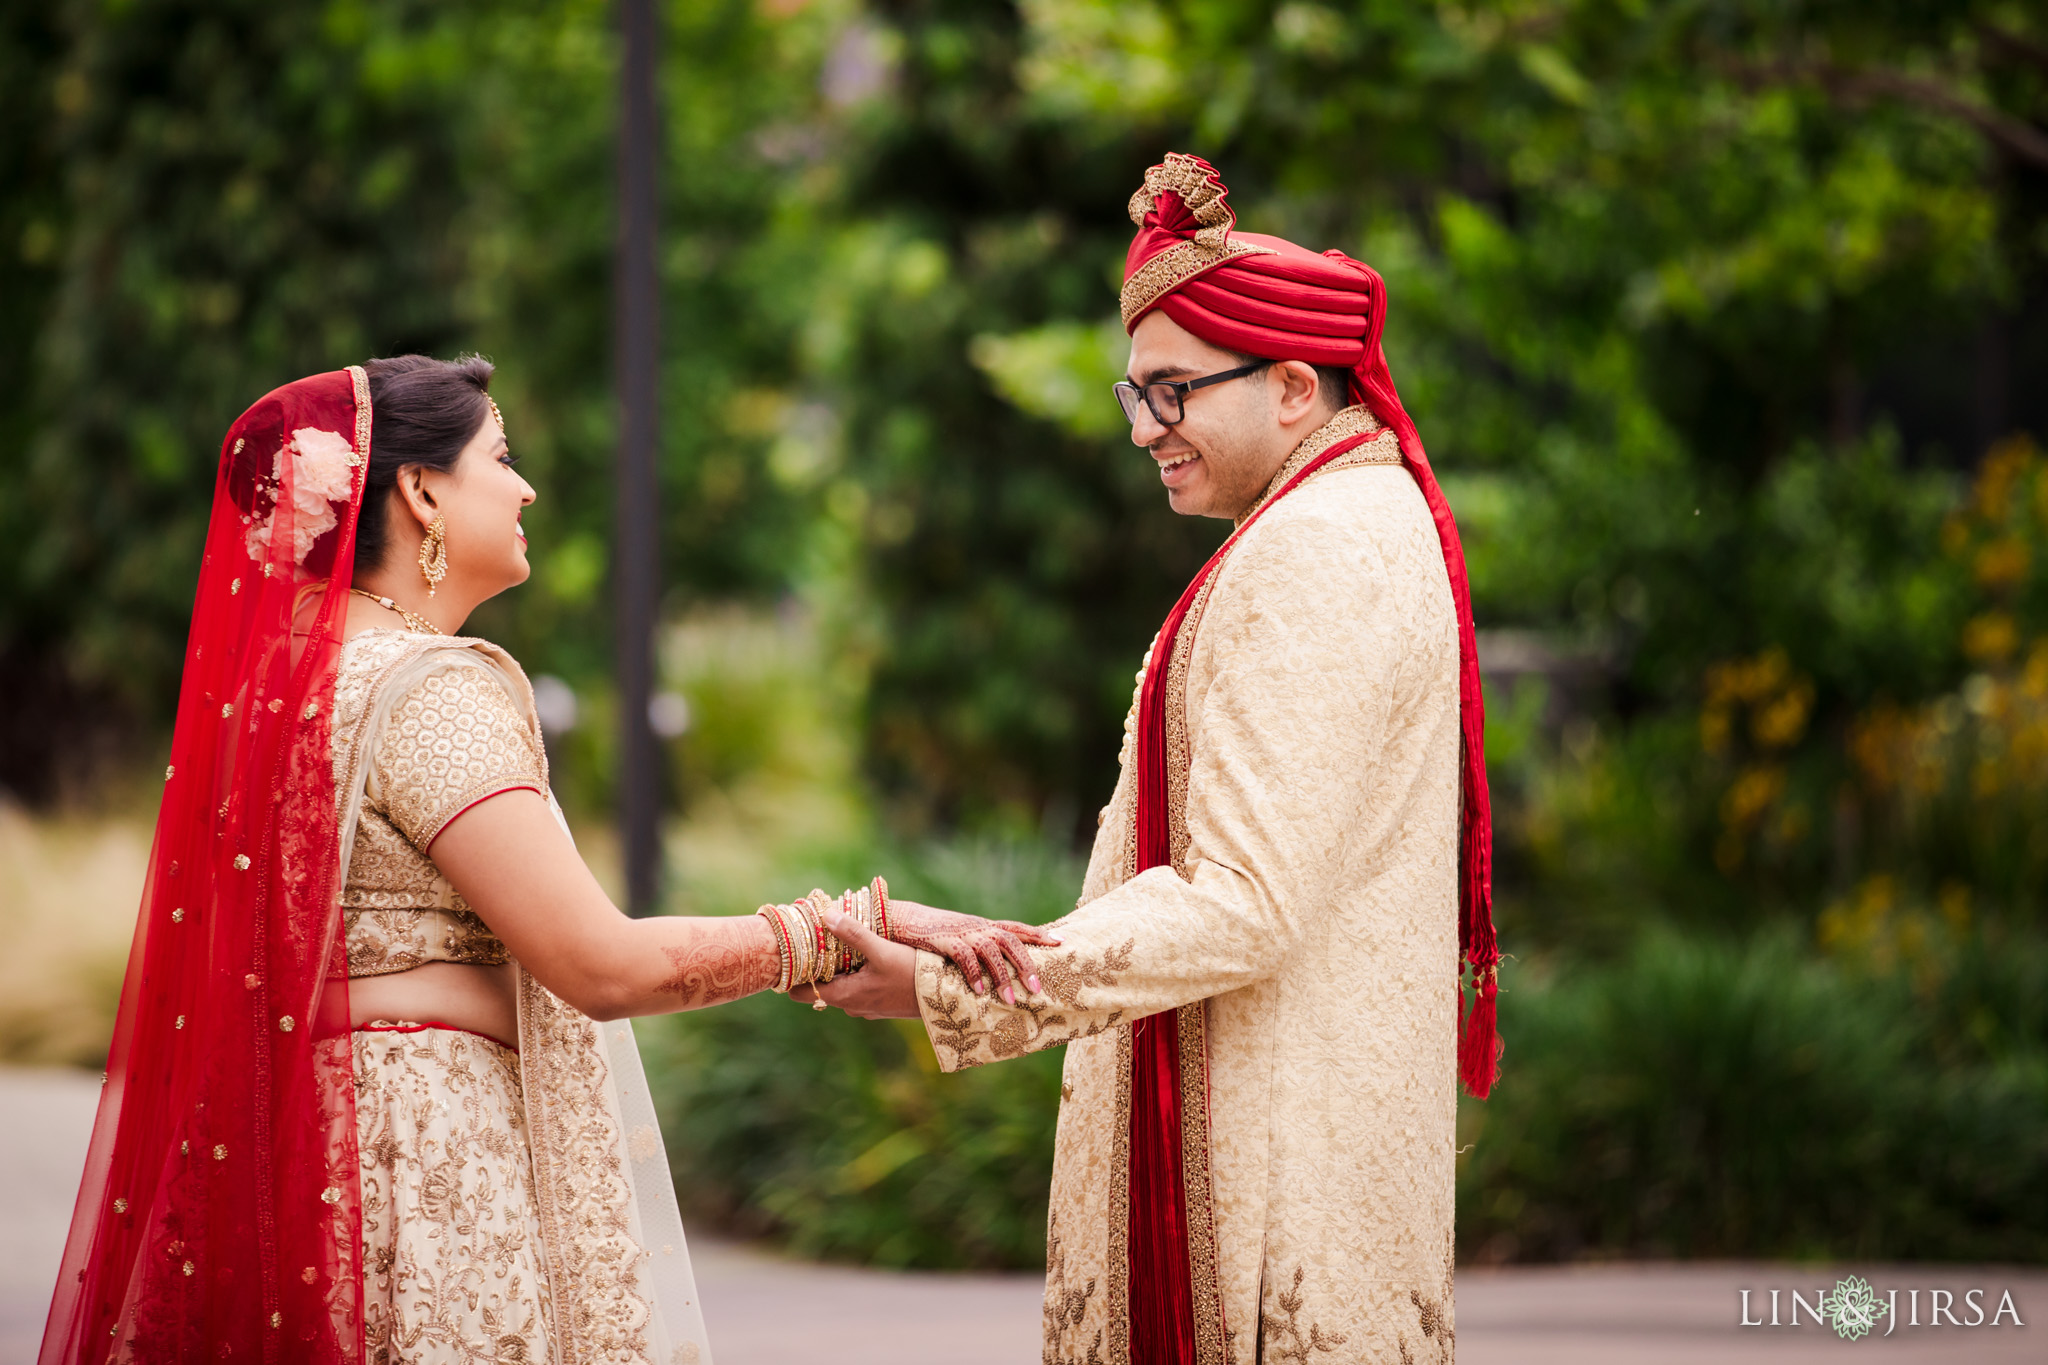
(810, 953)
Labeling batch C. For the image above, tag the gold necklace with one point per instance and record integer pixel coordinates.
(418, 623)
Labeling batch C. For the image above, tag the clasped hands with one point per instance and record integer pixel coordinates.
(989, 953)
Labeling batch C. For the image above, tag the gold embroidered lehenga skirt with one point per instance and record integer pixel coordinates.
(452, 1257)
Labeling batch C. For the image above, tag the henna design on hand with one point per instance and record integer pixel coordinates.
(972, 944)
(720, 967)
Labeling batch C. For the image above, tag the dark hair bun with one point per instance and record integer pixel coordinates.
(423, 411)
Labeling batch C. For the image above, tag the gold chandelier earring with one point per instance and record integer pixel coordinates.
(434, 554)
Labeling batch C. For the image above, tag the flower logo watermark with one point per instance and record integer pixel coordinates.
(1853, 1309)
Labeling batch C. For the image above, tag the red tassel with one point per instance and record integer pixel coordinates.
(1479, 1045)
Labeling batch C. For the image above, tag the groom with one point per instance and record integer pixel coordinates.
(1261, 987)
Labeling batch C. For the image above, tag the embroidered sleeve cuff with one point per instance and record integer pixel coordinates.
(1078, 1000)
(950, 1011)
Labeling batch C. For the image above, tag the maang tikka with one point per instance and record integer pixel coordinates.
(434, 554)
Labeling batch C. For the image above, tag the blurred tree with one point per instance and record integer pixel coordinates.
(33, 697)
(1700, 307)
(242, 193)
(1705, 310)
(207, 200)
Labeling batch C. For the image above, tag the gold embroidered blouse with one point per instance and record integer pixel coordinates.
(452, 738)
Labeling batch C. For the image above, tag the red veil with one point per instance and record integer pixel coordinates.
(219, 1214)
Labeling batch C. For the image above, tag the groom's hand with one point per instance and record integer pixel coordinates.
(885, 988)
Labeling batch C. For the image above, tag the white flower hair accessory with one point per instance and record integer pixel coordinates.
(320, 478)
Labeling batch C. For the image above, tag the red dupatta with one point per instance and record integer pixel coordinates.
(219, 1215)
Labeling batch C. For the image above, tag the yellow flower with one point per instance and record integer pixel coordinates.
(1991, 637)
(1752, 794)
(1714, 730)
(2004, 466)
(1780, 722)
(2035, 679)
(2002, 563)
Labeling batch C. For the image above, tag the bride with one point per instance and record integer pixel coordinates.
(365, 1101)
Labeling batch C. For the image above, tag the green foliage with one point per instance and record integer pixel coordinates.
(220, 198)
(1699, 1098)
(214, 199)
(1704, 310)
(1676, 290)
(841, 1136)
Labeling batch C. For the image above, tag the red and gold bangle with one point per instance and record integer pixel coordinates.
(773, 914)
(788, 941)
(802, 932)
(820, 965)
(880, 889)
(828, 943)
(823, 960)
(841, 955)
(799, 969)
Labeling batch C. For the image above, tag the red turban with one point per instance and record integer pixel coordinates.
(1267, 297)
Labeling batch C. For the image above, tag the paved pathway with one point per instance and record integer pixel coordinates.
(764, 1311)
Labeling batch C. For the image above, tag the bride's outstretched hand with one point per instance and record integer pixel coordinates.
(984, 950)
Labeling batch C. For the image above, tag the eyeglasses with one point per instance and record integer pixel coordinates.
(1167, 398)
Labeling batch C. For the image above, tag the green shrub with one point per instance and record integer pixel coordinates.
(840, 1136)
(1701, 1098)
(1884, 1094)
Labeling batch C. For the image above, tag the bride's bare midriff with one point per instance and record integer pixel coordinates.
(480, 999)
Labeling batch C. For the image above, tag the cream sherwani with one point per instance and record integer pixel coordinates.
(1313, 914)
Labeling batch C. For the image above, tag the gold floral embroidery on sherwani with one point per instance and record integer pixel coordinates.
(425, 727)
(1039, 1021)
(1309, 921)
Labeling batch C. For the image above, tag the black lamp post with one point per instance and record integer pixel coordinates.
(635, 554)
